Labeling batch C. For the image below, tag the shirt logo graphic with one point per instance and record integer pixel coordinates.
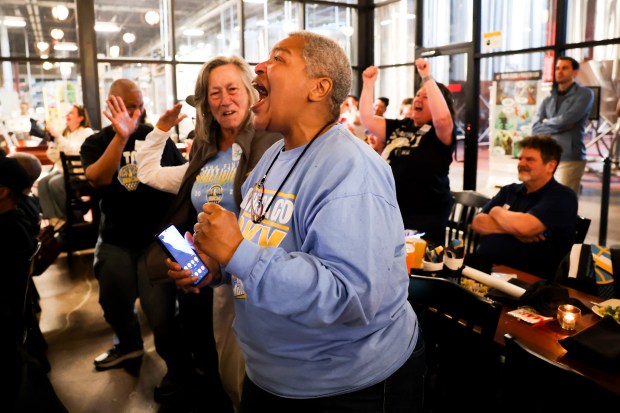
(128, 177)
(215, 194)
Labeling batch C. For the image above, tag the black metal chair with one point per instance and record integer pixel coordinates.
(79, 233)
(466, 205)
(458, 328)
(534, 383)
(581, 229)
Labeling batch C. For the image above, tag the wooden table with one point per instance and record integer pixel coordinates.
(38, 151)
(543, 338)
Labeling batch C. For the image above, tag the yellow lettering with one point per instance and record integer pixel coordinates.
(250, 229)
(272, 240)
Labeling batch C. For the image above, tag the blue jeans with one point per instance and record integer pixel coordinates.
(402, 392)
(123, 279)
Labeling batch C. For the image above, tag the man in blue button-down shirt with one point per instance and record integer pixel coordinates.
(563, 114)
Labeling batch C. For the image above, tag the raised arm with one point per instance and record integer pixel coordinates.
(148, 157)
(442, 118)
(375, 124)
(101, 172)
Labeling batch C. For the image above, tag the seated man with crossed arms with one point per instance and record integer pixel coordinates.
(530, 226)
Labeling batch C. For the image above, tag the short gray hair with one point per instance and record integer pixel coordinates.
(325, 58)
(206, 124)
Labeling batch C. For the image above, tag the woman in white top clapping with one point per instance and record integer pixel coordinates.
(51, 188)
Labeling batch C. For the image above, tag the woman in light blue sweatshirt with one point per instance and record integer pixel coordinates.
(317, 256)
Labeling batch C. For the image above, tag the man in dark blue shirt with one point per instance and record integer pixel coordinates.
(530, 226)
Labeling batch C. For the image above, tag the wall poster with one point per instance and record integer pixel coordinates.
(514, 96)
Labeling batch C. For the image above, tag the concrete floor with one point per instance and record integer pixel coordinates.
(73, 324)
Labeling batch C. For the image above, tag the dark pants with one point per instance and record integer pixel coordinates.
(196, 313)
(402, 392)
(122, 280)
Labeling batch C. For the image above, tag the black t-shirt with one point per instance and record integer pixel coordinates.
(130, 210)
(420, 163)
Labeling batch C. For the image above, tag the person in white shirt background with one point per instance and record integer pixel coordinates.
(51, 188)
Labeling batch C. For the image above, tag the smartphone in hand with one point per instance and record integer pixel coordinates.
(179, 250)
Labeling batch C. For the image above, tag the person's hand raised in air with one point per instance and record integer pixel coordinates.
(170, 118)
(123, 124)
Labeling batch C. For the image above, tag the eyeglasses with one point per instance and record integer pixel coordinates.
(257, 202)
(258, 190)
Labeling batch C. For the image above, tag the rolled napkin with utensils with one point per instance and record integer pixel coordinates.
(494, 282)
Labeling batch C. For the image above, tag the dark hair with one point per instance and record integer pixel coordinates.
(572, 61)
(407, 101)
(549, 149)
(447, 95)
(384, 100)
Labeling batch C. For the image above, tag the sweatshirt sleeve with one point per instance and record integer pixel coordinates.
(150, 171)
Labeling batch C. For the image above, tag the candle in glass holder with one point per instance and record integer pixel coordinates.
(568, 316)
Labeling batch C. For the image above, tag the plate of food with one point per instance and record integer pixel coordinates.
(608, 308)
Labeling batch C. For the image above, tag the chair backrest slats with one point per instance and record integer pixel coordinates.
(466, 205)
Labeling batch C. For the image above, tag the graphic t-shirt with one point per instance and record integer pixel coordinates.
(214, 183)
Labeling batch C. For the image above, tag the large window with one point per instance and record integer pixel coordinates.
(41, 91)
(395, 91)
(447, 21)
(186, 80)
(154, 79)
(265, 24)
(336, 22)
(593, 20)
(599, 67)
(516, 24)
(394, 33)
(137, 30)
(48, 31)
(207, 29)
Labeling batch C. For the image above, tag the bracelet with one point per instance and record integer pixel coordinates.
(427, 78)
